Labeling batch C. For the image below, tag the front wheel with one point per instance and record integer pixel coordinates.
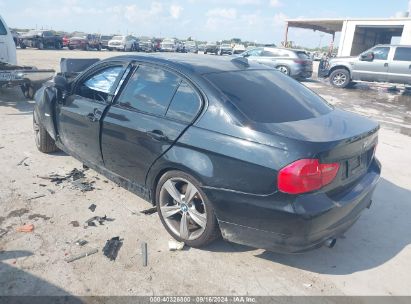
(185, 210)
(340, 78)
(44, 142)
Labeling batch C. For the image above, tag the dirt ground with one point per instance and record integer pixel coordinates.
(374, 258)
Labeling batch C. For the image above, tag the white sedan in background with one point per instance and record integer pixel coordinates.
(123, 43)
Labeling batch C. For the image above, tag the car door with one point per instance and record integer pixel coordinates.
(79, 115)
(142, 124)
(375, 70)
(399, 70)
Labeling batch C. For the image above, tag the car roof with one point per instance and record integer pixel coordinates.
(194, 63)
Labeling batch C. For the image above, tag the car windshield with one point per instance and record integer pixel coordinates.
(268, 96)
(226, 46)
(106, 37)
(117, 38)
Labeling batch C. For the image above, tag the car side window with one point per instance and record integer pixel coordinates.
(381, 53)
(3, 30)
(255, 52)
(99, 85)
(185, 104)
(150, 89)
(402, 54)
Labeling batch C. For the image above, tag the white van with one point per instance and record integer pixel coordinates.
(7, 46)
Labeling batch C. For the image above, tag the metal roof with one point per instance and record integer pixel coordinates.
(335, 25)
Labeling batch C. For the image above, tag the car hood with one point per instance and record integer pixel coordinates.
(77, 39)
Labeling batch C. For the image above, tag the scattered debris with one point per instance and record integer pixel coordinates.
(149, 211)
(132, 212)
(42, 185)
(51, 191)
(36, 196)
(36, 216)
(81, 242)
(25, 228)
(22, 161)
(75, 223)
(112, 247)
(81, 255)
(85, 167)
(3, 232)
(83, 185)
(92, 221)
(175, 245)
(308, 285)
(144, 253)
(1, 147)
(74, 175)
(92, 207)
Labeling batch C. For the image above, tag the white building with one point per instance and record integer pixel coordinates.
(358, 35)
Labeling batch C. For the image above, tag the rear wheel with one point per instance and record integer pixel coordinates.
(340, 78)
(283, 69)
(44, 142)
(185, 210)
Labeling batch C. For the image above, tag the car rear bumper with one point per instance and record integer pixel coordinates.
(278, 224)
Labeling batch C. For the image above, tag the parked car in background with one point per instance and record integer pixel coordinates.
(218, 145)
(104, 41)
(225, 48)
(145, 44)
(238, 49)
(157, 44)
(211, 48)
(123, 43)
(294, 63)
(382, 63)
(66, 40)
(190, 46)
(169, 45)
(201, 47)
(41, 39)
(85, 41)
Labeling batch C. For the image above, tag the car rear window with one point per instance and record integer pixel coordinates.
(268, 96)
(402, 54)
(303, 55)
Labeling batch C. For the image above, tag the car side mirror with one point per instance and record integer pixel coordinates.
(369, 56)
(60, 83)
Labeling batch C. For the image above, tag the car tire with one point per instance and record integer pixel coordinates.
(197, 210)
(58, 46)
(99, 48)
(284, 69)
(40, 46)
(340, 78)
(22, 46)
(44, 142)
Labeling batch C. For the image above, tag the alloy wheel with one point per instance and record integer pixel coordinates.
(182, 208)
(36, 129)
(339, 79)
(283, 69)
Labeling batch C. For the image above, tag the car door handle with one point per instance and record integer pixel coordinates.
(385, 65)
(157, 135)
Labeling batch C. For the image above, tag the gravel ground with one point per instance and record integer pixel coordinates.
(374, 258)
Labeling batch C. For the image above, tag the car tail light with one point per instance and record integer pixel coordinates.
(306, 175)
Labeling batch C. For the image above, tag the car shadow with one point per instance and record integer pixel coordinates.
(380, 234)
(14, 98)
(16, 282)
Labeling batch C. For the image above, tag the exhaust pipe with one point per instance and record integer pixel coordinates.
(330, 243)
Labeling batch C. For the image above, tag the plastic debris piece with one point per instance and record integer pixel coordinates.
(81, 242)
(25, 228)
(81, 255)
(175, 245)
(144, 253)
(149, 211)
(97, 219)
(112, 247)
(92, 207)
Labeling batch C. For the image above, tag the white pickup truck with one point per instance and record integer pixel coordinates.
(11, 75)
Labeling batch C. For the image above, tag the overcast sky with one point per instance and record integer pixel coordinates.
(254, 20)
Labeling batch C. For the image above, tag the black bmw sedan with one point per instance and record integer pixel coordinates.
(221, 146)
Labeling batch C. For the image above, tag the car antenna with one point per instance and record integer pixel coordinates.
(241, 60)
